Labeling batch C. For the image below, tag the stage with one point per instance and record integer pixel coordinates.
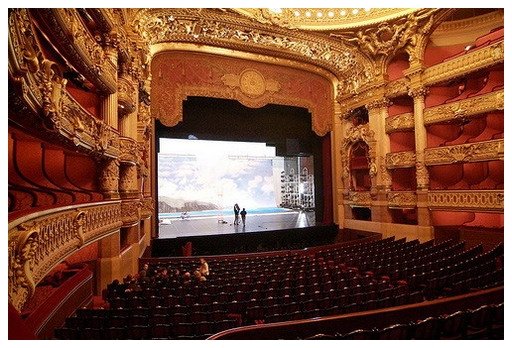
(263, 232)
(203, 226)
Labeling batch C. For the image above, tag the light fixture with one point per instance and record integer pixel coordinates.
(343, 12)
(355, 11)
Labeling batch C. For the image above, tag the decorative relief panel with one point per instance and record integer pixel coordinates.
(78, 45)
(130, 212)
(483, 151)
(405, 159)
(481, 200)
(465, 108)
(463, 65)
(38, 242)
(127, 95)
(177, 75)
(128, 150)
(147, 208)
(359, 199)
(404, 199)
(400, 122)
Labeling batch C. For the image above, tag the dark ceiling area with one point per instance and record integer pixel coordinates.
(288, 128)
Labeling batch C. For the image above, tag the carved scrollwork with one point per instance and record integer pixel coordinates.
(481, 200)
(404, 199)
(378, 104)
(483, 151)
(127, 95)
(405, 159)
(128, 150)
(359, 199)
(78, 45)
(147, 208)
(400, 122)
(109, 177)
(131, 212)
(465, 108)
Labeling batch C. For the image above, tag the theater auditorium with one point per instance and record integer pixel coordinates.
(377, 215)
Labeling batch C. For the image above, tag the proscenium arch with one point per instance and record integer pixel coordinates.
(183, 70)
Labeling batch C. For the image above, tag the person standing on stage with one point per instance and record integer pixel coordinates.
(236, 209)
(243, 213)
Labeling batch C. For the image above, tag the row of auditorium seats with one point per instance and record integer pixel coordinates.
(485, 322)
(317, 284)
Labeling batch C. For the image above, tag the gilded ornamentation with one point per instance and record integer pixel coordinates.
(359, 199)
(130, 212)
(128, 150)
(78, 224)
(471, 61)
(403, 199)
(482, 151)
(127, 95)
(397, 87)
(385, 177)
(38, 244)
(148, 207)
(400, 122)
(53, 87)
(481, 200)
(418, 92)
(386, 39)
(128, 178)
(176, 76)
(109, 177)
(182, 24)
(405, 159)
(251, 83)
(378, 104)
(465, 108)
(79, 45)
(422, 177)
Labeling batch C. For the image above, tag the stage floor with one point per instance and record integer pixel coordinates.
(172, 228)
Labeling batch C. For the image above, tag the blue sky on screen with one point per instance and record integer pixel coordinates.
(220, 173)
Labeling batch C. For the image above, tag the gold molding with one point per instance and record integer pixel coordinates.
(359, 199)
(472, 61)
(39, 241)
(130, 212)
(481, 200)
(404, 159)
(465, 108)
(475, 152)
(398, 123)
(402, 199)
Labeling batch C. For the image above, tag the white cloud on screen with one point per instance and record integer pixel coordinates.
(217, 172)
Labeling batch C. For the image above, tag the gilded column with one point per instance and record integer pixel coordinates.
(109, 178)
(109, 102)
(381, 182)
(420, 135)
(337, 140)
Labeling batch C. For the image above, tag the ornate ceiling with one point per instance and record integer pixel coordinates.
(321, 19)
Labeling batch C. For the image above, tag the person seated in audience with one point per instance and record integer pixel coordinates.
(199, 277)
(187, 279)
(204, 269)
